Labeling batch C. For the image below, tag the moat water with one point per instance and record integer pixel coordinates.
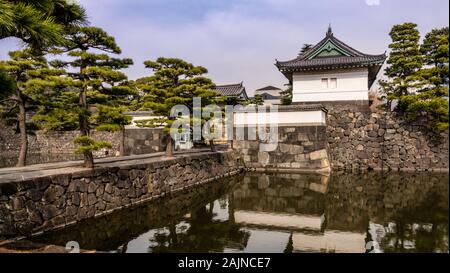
(256, 212)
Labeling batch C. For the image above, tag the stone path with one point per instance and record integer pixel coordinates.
(40, 170)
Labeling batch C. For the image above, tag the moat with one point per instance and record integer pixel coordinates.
(258, 212)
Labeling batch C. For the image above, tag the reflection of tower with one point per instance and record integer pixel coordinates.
(294, 204)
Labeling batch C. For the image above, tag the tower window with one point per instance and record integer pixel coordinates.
(325, 83)
(329, 83)
(333, 83)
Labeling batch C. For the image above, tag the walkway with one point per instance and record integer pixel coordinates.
(39, 170)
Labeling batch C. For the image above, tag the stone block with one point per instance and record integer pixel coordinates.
(49, 211)
(296, 149)
(34, 194)
(301, 157)
(18, 202)
(302, 137)
(318, 154)
(324, 163)
(284, 148)
(53, 192)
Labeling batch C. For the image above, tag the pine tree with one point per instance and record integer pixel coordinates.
(418, 76)
(436, 55)
(25, 76)
(99, 92)
(404, 62)
(305, 48)
(431, 101)
(174, 82)
(39, 23)
(258, 99)
(286, 96)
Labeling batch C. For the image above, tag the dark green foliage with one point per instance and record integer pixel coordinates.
(23, 80)
(236, 101)
(286, 96)
(418, 76)
(39, 23)
(88, 144)
(98, 93)
(258, 99)
(7, 85)
(404, 61)
(24, 76)
(435, 54)
(305, 48)
(173, 82)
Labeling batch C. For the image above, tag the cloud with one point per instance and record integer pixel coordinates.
(239, 40)
(233, 45)
(373, 2)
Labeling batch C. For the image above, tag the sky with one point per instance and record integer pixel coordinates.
(239, 40)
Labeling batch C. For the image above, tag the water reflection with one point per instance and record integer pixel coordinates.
(281, 213)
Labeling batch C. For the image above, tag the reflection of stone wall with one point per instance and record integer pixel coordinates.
(353, 200)
(360, 139)
(47, 202)
(284, 193)
(111, 231)
(299, 147)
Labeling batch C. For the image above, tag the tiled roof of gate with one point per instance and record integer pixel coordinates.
(310, 61)
(230, 90)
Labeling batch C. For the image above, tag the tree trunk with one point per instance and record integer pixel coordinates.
(169, 147)
(23, 131)
(84, 130)
(83, 120)
(211, 144)
(122, 142)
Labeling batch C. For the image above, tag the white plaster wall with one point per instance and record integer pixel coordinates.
(352, 84)
(281, 118)
(271, 102)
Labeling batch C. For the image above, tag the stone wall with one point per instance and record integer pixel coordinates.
(363, 138)
(60, 146)
(299, 148)
(52, 141)
(143, 141)
(48, 202)
(62, 142)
